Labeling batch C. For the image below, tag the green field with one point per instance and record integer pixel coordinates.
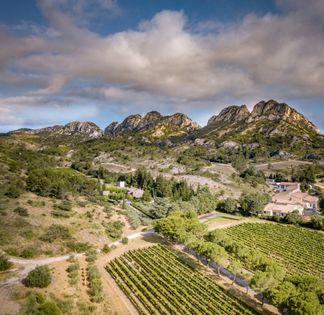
(299, 250)
(158, 282)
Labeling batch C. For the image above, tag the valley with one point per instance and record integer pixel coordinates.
(107, 212)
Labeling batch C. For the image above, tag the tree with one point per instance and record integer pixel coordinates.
(5, 264)
(317, 222)
(218, 255)
(280, 294)
(263, 281)
(321, 204)
(146, 196)
(229, 205)
(235, 267)
(294, 218)
(40, 277)
(239, 163)
(253, 203)
(306, 303)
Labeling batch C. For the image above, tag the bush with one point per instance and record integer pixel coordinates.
(5, 264)
(115, 229)
(54, 232)
(29, 252)
(78, 247)
(91, 255)
(49, 308)
(23, 212)
(124, 240)
(40, 277)
(106, 249)
(65, 205)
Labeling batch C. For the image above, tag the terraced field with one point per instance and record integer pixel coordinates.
(299, 250)
(158, 282)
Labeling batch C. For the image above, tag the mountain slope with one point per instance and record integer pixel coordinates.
(269, 123)
(86, 130)
(154, 125)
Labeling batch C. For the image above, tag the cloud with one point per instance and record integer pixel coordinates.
(164, 63)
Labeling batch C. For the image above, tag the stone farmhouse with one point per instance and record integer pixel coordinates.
(288, 198)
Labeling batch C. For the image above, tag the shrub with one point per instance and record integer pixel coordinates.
(49, 308)
(106, 249)
(115, 229)
(40, 277)
(124, 240)
(61, 214)
(91, 255)
(29, 252)
(5, 264)
(54, 232)
(78, 247)
(65, 205)
(23, 212)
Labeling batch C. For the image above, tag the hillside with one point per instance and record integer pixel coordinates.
(153, 125)
(271, 126)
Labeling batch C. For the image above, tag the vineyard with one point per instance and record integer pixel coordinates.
(299, 250)
(158, 282)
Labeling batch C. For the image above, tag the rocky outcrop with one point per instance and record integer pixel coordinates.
(273, 110)
(264, 110)
(160, 125)
(110, 129)
(87, 130)
(231, 114)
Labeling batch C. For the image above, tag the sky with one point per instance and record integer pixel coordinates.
(101, 60)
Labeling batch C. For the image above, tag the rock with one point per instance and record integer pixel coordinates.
(229, 145)
(181, 121)
(160, 125)
(280, 153)
(144, 140)
(272, 110)
(164, 143)
(150, 120)
(76, 128)
(312, 156)
(231, 114)
(110, 129)
(87, 130)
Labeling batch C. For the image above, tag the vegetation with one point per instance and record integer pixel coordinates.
(299, 250)
(73, 272)
(275, 254)
(56, 232)
(40, 277)
(39, 304)
(114, 229)
(58, 182)
(253, 203)
(5, 264)
(95, 284)
(23, 212)
(153, 287)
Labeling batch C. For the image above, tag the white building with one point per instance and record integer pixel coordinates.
(289, 198)
(121, 184)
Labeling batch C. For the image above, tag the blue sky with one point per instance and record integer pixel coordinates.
(101, 60)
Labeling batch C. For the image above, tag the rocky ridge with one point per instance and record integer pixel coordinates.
(76, 128)
(270, 110)
(230, 114)
(162, 125)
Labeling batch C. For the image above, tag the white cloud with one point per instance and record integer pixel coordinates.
(164, 64)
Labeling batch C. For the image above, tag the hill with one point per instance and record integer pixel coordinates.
(271, 125)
